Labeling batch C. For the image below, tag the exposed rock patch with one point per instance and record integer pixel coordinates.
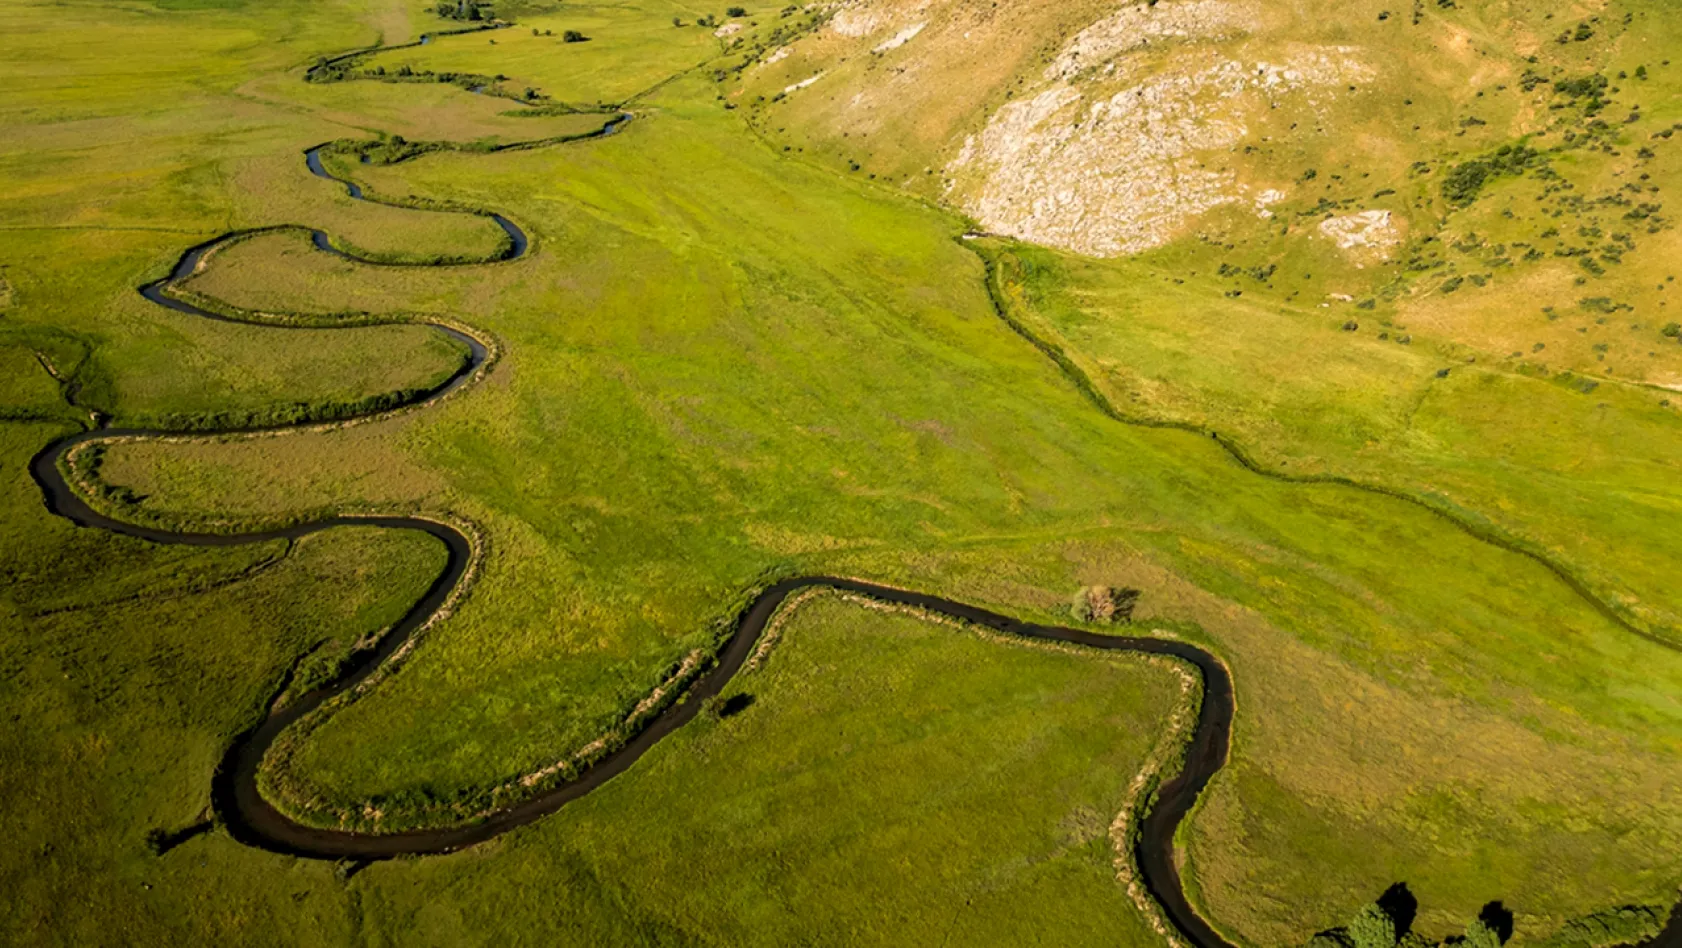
(901, 38)
(1265, 201)
(858, 19)
(1123, 173)
(1366, 236)
(796, 87)
(1135, 27)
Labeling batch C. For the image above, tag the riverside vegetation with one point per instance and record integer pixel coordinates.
(729, 357)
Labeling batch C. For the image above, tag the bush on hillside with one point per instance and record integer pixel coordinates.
(468, 10)
(1465, 181)
(1373, 928)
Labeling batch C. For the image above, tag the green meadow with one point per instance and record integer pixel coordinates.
(723, 363)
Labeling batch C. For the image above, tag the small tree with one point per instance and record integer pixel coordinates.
(1480, 935)
(1081, 606)
(1373, 928)
(573, 36)
(735, 11)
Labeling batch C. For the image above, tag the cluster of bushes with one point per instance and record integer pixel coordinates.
(1590, 87)
(325, 70)
(1258, 273)
(1582, 34)
(1388, 923)
(1465, 181)
(710, 20)
(471, 81)
(1630, 925)
(1104, 604)
(88, 463)
(297, 413)
(472, 11)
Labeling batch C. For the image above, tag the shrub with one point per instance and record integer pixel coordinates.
(1480, 935)
(735, 11)
(1104, 604)
(1628, 925)
(1373, 928)
(1081, 607)
(1466, 180)
(1673, 330)
(573, 36)
(471, 10)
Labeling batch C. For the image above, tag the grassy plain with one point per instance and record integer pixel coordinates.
(723, 365)
(966, 787)
(683, 413)
(1305, 397)
(632, 45)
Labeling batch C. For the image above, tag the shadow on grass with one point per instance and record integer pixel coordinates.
(1402, 906)
(161, 841)
(735, 705)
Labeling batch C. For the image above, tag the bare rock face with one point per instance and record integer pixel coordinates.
(1112, 155)
(1096, 126)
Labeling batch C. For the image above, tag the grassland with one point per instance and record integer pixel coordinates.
(725, 364)
(925, 835)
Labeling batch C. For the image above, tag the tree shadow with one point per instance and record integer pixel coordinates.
(734, 705)
(1399, 903)
(1499, 919)
(161, 841)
